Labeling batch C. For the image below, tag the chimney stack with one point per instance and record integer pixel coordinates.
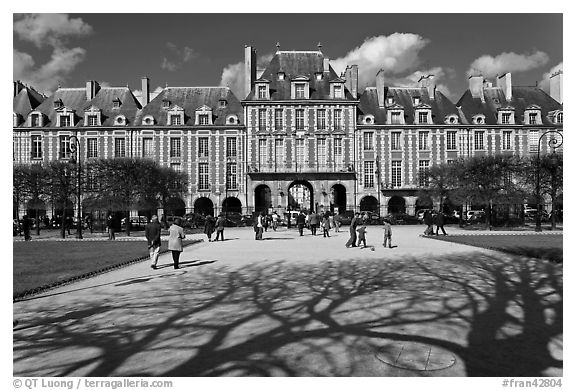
(429, 83)
(326, 65)
(504, 82)
(556, 86)
(352, 80)
(249, 69)
(145, 91)
(476, 86)
(92, 88)
(380, 88)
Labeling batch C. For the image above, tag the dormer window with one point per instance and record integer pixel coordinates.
(175, 120)
(423, 117)
(203, 119)
(35, 119)
(165, 103)
(65, 118)
(532, 115)
(478, 119)
(92, 117)
(318, 75)
(300, 88)
(231, 120)
(222, 103)
(368, 119)
(120, 120)
(416, 100)
(175, 117)
(116, 103)
(560, 118)
(422, 113)
(451, 119)
(281, 75)
(395, 115)
(148, 120)
(204, 116)
(390, 100)
(262, 89)
(338, 92)
(15, 119)
(300, 93)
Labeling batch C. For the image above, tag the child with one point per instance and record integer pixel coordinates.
(387, 233)
(362, 234)
(326, 225)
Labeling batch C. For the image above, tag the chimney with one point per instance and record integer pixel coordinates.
(380, 87)
(429, 83)
(556, 86)
(476, 86)
(249, 69)
(92, 88)
(352, 80)
(18, 86)
(326, 65)
(145, 91)
(504, 82)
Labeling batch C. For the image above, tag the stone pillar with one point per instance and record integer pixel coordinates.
(410, 204)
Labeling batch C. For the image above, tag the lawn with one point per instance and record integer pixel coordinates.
(542, 246)
(40, 263)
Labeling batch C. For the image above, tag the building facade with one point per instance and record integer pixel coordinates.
(302, 137)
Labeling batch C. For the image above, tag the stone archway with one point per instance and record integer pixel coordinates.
(204, 206)
(396, 204)
(338, 198)
(369, 203)
(232, 205)
(262, 198)
(300, 195)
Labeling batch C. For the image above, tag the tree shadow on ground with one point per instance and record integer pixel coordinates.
(498, 316)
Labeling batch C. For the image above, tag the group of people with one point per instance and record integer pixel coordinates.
(211, 225)
(433, 218)
(175, 237)
(358, 232)
(314, 220)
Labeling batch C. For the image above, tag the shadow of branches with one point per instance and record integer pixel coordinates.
(498, 316)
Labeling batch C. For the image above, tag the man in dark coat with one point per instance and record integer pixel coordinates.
(26, 226)
(353, 225)
(314, 221)
(209, 226)
(300, 221)
(428, 220)
(152, 231)
(440, 223)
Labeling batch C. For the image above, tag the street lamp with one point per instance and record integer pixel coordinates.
(554, 143)
(75, 148)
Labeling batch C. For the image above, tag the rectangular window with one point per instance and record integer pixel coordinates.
(92, 120)
(36, 146)
(321, 119)
(423, 140)
(262, 119)
(278, 122)
(300, 91)
(203, 147)
(321, 152)
(175, 120)
(176, 166)
(395, 140)
(231, 176)
(35, 120)
(279, 151)
(91, 182)
(203, 179)
(422, 117)
(338, 91)
(396, 173)
(338, 156)
(147, 148)
(478, 140)
(506, 118)
(395, 117)
(300, 119)
(423, 169)
(368, 141)
(175, 147)
(299, 151)
(451, 140)
(119, 147)
(64, 120)
(175, 184)
(203, 119)
(507, 140)
(532, 118)
(369, 174)
(338, 119)
(64, 146)
(92, 148)
(231, 150)
(533, 140)
(263, 151)
(261, 92)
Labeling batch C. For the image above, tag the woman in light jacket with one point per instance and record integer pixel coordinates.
(175, 240)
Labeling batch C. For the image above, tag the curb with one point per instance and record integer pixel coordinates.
(39, 290)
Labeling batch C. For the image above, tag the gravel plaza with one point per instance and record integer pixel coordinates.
(303, 306)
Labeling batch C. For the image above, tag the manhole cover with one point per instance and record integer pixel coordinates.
(415, 356)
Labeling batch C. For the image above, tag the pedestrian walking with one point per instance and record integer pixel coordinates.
(326, 225)
(387, 234)
(300, 222)
(267, 222)
(314, 222)
(26, 226)
(152, 232)
(176, 234)
(111, 225)
(275, 219)
(220, 227)
(362, 234)
(428, 220)
(353, 225)
(209, 227)
(440, 223)
(337, 223)
(260, 225)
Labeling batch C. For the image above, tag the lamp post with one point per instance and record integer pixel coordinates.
(554, 143)
(75, 148)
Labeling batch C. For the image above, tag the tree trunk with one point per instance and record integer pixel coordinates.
(37, 222)
(553, 213)
(489, 216)
(128, 223)
(63, 223)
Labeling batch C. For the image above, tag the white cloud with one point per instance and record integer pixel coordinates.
(411, 80)
(490, 66)
(396, 53)
(544, 84)
(49, 29)
(189, 54)
(169, 65)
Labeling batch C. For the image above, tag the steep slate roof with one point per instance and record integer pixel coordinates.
(441, 106)
(295, 64)
(75, 99)
(26, 100)
(494, 98)
(190, 99)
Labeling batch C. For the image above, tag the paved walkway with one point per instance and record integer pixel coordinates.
(303, 306)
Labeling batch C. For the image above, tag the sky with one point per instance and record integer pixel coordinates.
(208, 49)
